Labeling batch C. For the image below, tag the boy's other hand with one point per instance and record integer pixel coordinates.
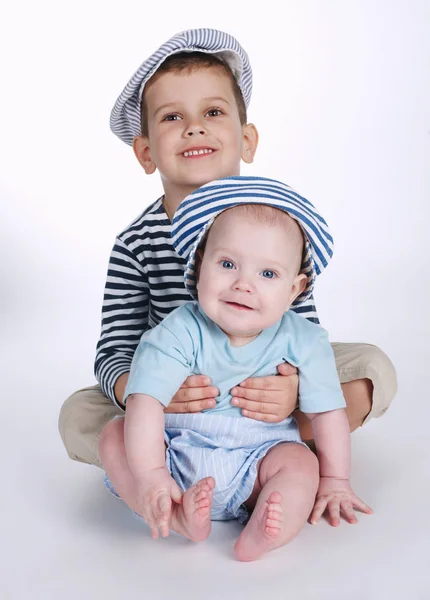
(271, 399)
(195, 394)
(336, 496)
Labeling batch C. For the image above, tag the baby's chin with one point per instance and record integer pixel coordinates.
(238, 336)
(237, 330)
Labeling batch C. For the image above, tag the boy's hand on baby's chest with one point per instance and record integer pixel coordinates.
(195, 394)
(271, 399)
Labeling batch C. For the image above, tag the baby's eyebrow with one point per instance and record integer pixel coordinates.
(270, 263)
(276, 265)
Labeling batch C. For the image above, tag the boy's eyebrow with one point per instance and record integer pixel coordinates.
(212, 98)
(205, 99)
(164, 106)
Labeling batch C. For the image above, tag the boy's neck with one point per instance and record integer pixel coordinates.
(173, 197)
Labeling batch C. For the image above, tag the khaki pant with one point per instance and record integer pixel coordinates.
(87, 411)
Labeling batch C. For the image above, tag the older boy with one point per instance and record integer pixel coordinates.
(184, 112)
(259, 247)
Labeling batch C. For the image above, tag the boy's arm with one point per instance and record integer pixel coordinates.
(145, 451)
(124, 319)
(119, 389)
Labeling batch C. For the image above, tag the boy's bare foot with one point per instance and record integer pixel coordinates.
(192, 518)
(263, 531)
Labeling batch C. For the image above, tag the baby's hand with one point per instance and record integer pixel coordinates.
(155, 490)
(271, 399)
(336, 495)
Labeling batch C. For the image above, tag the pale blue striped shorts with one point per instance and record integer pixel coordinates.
(226, 448)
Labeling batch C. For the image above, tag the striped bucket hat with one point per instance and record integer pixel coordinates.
(197, 212)
(125, 115)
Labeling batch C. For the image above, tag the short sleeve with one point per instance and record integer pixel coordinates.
(162, 362)
(319, 386)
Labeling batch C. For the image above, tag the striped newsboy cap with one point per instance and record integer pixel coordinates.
(125, 115)
(197, 212)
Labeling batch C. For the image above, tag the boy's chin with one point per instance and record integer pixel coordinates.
(203, 176)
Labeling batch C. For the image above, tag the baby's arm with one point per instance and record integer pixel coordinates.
(145, 451)
(168, 349)
(332, 440)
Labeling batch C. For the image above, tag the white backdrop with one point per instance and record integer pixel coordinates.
(342, 103)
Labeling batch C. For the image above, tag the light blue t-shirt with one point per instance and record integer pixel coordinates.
(187, 342)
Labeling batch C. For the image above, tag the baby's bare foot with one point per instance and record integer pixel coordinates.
(192, 518)
(264, 530)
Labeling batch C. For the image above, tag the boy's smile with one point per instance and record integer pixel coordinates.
(196, 152)
(194, 131)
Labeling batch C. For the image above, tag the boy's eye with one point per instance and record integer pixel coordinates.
(173, 117)
(268, 274)
(227, 264)
(213, 112)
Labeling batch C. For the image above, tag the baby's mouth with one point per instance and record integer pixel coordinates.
(239, 306)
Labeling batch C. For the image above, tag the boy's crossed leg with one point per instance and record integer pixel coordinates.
(191, 518)
(283, 496)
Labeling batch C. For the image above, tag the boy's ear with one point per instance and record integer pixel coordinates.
(299, 285)
(142, 152)
(250, 142)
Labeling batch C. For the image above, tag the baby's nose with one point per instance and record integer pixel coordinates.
(243, 284)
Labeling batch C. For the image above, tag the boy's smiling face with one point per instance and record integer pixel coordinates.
(194, 131)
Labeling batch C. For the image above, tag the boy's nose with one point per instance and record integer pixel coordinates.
(195, 129)
(201, 132)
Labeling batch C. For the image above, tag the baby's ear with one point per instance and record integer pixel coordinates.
(299, 285)
(142, 152)
(249, 143)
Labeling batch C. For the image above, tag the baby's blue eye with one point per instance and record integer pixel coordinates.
(227, 264)
(268, 274)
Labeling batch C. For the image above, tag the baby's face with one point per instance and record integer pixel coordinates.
(248, 275)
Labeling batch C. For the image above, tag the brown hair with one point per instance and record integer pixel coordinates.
(189, 62)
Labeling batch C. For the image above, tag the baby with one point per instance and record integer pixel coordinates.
(253, 248)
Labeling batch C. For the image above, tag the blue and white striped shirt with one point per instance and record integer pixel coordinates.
(145, 282)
